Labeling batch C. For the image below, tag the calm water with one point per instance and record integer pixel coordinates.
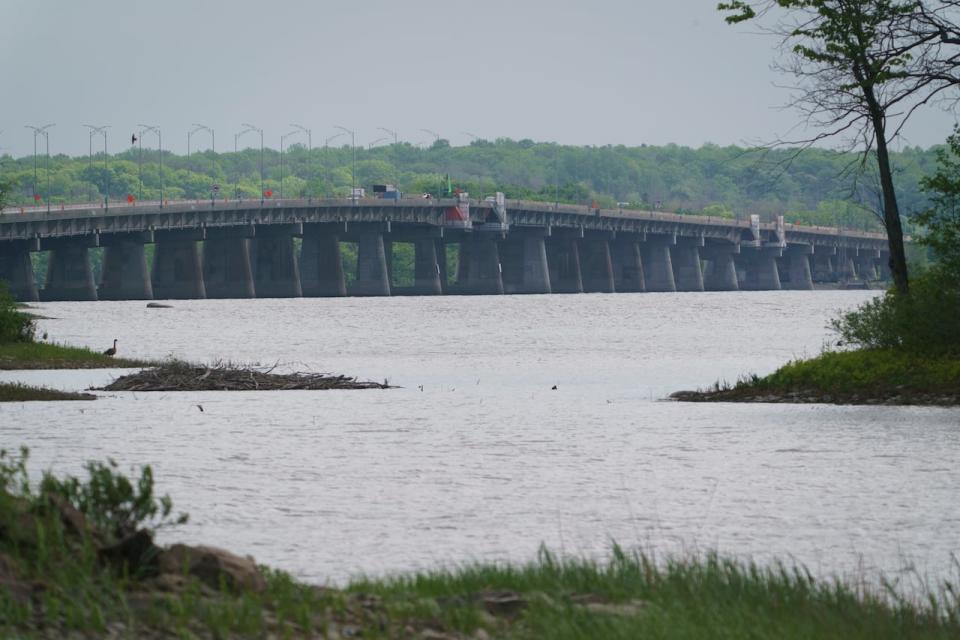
(477, 458)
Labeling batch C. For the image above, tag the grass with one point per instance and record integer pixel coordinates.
(863, 376)
(43, 355)
(16, 392)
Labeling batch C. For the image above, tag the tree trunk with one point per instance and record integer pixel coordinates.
(891, 212)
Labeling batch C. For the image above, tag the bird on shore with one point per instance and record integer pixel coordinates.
(112, 351)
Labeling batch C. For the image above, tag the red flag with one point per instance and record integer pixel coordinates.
(130, 198)
(268, 193)
(36, 197)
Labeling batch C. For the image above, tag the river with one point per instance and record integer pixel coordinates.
(477, 457)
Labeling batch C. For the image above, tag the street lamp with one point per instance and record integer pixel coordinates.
(436, 139)
(396, 156)
(309, 133)
(282, 139)
(326, 143)
(353, 169)
(106, 169)
(371, 145)
(37, 131)
(250, 127)
(213, 149)
(148, 128)
(472, 135)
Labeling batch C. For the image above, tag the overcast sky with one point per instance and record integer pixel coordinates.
(577, 72)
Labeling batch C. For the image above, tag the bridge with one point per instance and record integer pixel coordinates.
(248, 248)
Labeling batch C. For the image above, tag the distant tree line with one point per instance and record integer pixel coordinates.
(811, 187)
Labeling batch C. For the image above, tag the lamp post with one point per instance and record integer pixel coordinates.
(396, 156)
(309, 133)
(371, 145)
(326, 143)
(353, 168)
(151, 128)
(213, 149)
(250, 127)
(436, 139)
(38, 131)
(106, 169)
(282, 139)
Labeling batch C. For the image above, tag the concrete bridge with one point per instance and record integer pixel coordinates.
(245, 249)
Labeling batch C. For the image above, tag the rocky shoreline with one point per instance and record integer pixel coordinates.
(894, 397)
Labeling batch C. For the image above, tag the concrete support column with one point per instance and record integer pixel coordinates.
(479, 272)
(824, 269)
(321, 265)
(125, 275)
(627, 264)
(760, 269)
(721, 273)
(426, 268)
(867, 265)
(69, 275)
(596, 265)
(563, 260)
(17, 270)
(657, 264)
(685, 259)
(883, 265)
(847, 267)
(798, 268)
(523, 256)
(441, 248)
(177, 267)
(227, 271)
(274, 259)
(373, 275)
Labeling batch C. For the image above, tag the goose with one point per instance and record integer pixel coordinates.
(112, 351)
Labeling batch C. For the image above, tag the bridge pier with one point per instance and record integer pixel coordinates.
(563, 260)
(275, 265)
(227, 272)
(321, 265)
(69, 275)
(17, 270)
(798, 267)
(883, 266)
(479, 271)
(177, 266)
(685, 259)
(760, 269)
(627, 264)
(867, 265)
(523, 255)
(125, 275)
(657, 264)
(426, 268)
(440, 246)
(823, 264)
(721, 272)
(847, 267)
(596, 264)
(373, 272)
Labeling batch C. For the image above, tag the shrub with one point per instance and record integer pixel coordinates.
(926, 322)
(15, 326)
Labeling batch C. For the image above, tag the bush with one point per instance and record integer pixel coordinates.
(15, 326)
(925, 322)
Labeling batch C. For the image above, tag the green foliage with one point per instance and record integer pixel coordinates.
(15, 326)
(923, 322)
(112, 502)
(940, 223)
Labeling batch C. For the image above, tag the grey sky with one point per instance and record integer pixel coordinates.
(606, 71)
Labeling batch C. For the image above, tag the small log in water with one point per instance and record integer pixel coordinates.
(183, 376)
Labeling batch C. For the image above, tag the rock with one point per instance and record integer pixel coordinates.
(158, 305)
(627, 609)
(503, 603)
(213, 566)
(73, 520)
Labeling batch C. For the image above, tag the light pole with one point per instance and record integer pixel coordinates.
(326, 143)
(371, 145)
(250, 127)
(106, 169)
(148, 128)
(309, 133)
(37, 131)
(213, 149)
(353, 168)
(396, 156)
(436, 139)
(282, 139)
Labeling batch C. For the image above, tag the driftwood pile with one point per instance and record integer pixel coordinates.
(183, 376)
